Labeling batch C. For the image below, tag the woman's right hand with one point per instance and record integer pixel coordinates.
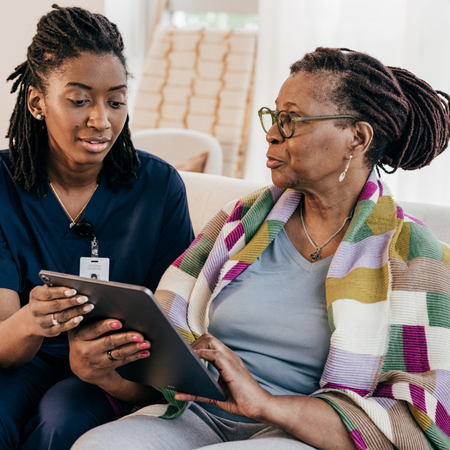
(53, 310)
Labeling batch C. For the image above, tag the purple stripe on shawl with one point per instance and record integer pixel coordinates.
(180, 258)
(350, 370)
(442, 419)
(236, 270)
(381, 188)
(383, 390)
(371, 252)
(236, 213)
(442, 389)
(178, 312)
(285, 206)
(400, 213)
(415, 349)
(369, 189)
(418, 397)
(234, 236)
(358, 440)
(216, 259)
(120, 408)
(415, 220)
(386, 403)
(361, 392)
(276, 192)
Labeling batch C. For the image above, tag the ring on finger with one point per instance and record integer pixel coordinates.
(54, 321)
(110, 356)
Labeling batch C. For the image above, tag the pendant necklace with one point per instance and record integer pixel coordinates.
(73, 220)
(317, 253)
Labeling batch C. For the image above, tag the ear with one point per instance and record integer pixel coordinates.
(36, 102)
(362, 138)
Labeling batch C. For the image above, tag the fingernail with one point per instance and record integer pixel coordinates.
(116, 325)
(70, 292)
(145, 354)
(137, 339)
(78, 319)
(88, 308)
(144, 345)
(82, 299)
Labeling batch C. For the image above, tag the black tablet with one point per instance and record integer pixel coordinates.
(172, 363)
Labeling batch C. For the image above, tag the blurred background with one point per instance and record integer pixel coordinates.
(222, 60)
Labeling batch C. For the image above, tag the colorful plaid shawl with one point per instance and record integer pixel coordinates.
(388, 299)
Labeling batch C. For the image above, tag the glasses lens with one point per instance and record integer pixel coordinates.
(266, 119)
(285, 123)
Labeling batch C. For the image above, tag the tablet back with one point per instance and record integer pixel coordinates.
(172, 363)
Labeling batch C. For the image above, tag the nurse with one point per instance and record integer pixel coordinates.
(73, 187)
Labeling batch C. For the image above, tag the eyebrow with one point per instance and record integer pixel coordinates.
(89, 88)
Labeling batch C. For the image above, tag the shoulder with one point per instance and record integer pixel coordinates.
(158, 173)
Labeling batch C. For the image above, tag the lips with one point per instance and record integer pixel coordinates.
(273, 163)
(95, 144)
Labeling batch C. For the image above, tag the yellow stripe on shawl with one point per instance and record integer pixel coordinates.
(399, 248)
(255, 247)
(361, 284)
(381, 219)
(446, 254)
(422, 419)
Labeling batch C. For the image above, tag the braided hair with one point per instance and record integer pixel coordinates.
(62, 35)
(409, 119)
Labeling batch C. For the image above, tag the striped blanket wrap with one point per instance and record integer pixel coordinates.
(388, 299)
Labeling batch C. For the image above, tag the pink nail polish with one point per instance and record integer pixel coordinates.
(116, 325)
(137, 339)
(145, 354)
(143, 345)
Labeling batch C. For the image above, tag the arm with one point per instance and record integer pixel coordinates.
(22, 330)
(89, 360)
(310, 420)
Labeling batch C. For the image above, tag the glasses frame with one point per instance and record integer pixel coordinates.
(294, 119)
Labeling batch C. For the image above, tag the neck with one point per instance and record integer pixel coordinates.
(330, 205)
(67, 179)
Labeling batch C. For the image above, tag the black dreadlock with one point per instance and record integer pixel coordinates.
(410, 120)
(63, 34)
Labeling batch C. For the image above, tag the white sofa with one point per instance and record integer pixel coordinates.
(208, 193)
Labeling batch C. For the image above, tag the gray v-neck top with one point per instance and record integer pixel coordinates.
(273, 315)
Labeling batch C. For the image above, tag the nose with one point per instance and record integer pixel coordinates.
(274, 136)
(98, 117)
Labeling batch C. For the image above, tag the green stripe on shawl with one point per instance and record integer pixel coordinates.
(394, 358)
(195, 258)
(423, 243)
(438, 312)
(260, 210)
(331, 319)
(362, 284)
(358, 230)
(175, 407)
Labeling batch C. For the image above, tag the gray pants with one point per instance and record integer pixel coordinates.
(195, 429)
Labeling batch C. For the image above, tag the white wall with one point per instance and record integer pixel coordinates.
(18, 19)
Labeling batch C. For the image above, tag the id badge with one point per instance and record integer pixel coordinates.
(97, 268)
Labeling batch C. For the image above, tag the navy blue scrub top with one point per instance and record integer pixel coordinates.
(142, 229)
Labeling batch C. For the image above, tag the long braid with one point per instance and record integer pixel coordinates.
(62, 35)
(410, 120)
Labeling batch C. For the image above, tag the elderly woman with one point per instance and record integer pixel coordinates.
(320, 304)
(73, 187)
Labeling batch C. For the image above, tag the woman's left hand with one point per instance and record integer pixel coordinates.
(245, 397)
(97, 349)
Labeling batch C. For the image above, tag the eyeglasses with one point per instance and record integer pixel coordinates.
(286, 120)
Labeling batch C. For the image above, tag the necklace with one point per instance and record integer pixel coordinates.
(73, 220)
(317, 253)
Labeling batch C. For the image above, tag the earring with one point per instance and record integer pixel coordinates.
(342, 176)
(38, 117)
